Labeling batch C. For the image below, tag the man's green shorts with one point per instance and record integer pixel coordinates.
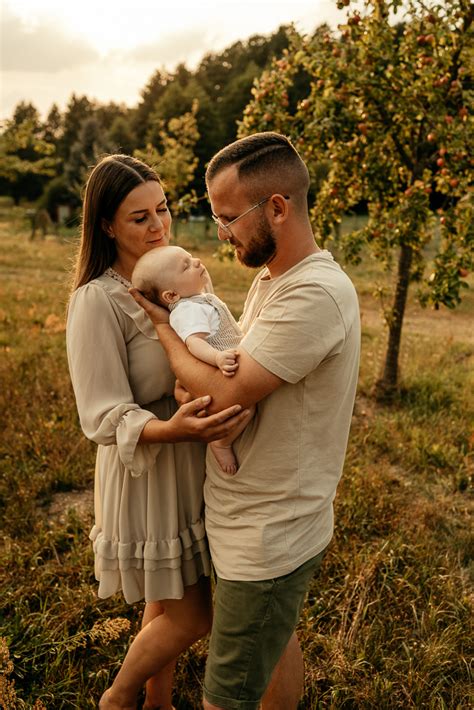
(253, 622)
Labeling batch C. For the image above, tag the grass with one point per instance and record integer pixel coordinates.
(388, 622)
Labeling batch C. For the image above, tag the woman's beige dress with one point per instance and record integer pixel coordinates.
(148, 538)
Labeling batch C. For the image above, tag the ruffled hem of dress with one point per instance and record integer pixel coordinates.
(151, 570)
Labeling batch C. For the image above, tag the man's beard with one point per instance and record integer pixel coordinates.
(261, 248)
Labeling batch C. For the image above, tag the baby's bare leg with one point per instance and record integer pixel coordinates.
(222, 448)
(225, 456)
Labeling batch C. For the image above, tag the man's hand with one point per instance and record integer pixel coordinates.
(226, 361)
(181, 394)
(157, 314)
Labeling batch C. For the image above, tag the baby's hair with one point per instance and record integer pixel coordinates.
(147, 279)
(153, 273)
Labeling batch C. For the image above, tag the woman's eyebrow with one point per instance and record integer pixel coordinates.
(163, 201)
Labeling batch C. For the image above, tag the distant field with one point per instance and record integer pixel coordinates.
(388, 623)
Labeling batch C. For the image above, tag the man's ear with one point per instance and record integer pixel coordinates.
(107, 228)
(279, 207)
(170, 296)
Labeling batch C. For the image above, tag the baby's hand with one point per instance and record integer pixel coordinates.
(226, 361)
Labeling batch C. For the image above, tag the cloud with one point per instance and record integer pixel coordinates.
(173, 48)
(41, 48)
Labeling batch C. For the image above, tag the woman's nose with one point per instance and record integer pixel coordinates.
(156, 222)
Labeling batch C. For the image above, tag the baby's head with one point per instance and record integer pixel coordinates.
(166, 274)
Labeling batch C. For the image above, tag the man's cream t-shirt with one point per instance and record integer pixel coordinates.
(276, 512)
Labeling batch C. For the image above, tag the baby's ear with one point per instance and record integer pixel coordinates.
(170, 296)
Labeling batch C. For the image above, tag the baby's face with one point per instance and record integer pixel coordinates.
(187, 274)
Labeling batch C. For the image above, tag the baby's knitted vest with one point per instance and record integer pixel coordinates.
(228, 335)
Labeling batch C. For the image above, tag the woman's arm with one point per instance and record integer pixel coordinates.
(192, 423)
(98, 366)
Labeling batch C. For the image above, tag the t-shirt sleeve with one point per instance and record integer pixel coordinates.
(298, 328)
(98, 365)
(191, 317)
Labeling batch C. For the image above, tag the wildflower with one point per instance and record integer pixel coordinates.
(109, 630)
(8, 696)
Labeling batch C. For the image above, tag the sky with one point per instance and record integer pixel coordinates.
(109, 49)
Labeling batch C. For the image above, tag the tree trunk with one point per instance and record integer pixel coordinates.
(387, 385)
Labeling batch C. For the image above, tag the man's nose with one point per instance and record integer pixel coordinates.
(222, 234)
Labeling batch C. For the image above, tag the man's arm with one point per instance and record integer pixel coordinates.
(225, 360)
(251, 383)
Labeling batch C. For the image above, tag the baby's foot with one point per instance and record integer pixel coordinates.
(225, 457)
(108, 703)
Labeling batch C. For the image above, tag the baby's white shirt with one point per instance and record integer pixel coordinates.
(189, 317)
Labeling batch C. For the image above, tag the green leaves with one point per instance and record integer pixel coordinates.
(176, 161)
(23, 152)
(387, 113)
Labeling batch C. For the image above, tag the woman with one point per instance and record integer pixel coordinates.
(149, 539)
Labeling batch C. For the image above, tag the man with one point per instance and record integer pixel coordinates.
(269, 524)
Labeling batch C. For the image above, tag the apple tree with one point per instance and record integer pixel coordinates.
(389, 113)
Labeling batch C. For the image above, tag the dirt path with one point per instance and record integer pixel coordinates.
(81, 502)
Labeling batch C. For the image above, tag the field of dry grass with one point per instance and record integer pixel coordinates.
(388, 622)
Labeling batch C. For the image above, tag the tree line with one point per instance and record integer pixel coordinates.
(380, 109)
(48, 160)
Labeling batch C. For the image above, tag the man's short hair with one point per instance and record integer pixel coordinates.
(266, 162)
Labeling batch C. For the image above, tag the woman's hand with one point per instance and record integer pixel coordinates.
(192, 423)
(157, 314)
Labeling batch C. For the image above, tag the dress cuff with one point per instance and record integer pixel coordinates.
(137, 458)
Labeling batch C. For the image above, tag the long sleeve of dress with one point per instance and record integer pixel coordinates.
(98, 364)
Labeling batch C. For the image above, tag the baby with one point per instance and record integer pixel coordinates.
(171, 277)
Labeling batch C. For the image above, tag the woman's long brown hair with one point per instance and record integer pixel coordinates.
(108, 185)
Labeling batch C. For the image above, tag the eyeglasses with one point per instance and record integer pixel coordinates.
(226, 227)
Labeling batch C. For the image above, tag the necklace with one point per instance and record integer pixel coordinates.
(118, 277)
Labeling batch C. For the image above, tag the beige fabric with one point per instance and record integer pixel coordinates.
(149, 538)
(276, 512)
